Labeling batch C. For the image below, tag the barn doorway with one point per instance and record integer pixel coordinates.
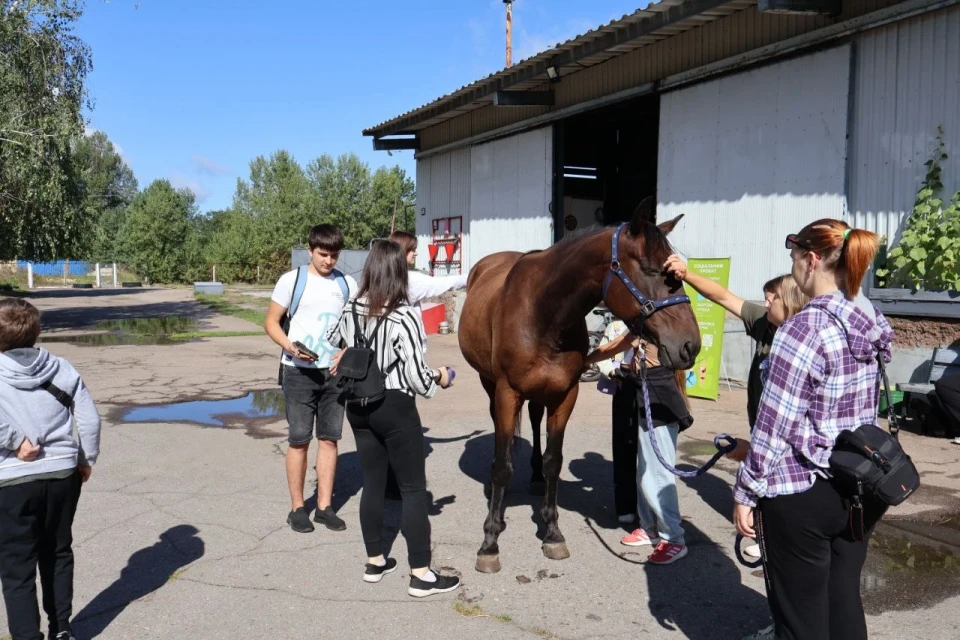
(605, 163)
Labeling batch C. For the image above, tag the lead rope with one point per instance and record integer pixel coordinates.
(722, 449)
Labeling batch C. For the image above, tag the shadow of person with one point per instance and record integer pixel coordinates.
(702, 596)
(347, 483)
(147, 570)
(715, 491)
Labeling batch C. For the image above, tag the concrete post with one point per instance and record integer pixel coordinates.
(114, 275)
(99, 284)
(29, 275)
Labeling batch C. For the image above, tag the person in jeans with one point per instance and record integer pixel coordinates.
(821, 380)
(658, 504)
(42, 469)
(388, 431)
(310, 393)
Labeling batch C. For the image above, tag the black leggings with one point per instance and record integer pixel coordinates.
(389, 435)
(625, 421)
(813, 564)
(948, 393)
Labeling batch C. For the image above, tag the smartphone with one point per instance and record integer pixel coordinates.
(302, 348)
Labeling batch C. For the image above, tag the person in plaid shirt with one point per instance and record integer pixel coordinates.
(821, 380)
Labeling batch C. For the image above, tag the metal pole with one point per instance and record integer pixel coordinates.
(29, 275)
(214, 273)
(509, 4)
(99, 284)
(114, 275)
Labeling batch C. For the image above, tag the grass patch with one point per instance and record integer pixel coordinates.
(194, 335)
(11, 289)
(176, 574)
(227, 308)
(476, 611)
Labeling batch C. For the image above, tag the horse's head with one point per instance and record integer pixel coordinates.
(643, 249)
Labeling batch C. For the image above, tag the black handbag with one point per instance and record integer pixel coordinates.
(870, 464)
(358, 374)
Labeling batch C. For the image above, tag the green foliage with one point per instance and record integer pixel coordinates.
(43, 68)
(155, 233)
(928, 255)
(108, 186)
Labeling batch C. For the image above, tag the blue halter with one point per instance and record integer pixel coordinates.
(647, 306)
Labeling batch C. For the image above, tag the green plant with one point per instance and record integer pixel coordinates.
(928, 255)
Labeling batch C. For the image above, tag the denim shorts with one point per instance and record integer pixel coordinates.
(312, 398)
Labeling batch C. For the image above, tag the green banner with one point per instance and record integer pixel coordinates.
(703, 381)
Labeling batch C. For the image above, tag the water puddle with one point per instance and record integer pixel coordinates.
(907, 569)
(257, 406)
(132, 331)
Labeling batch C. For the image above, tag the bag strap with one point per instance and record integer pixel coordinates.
(342, 281)
(62, 396)
(359, 336)
(299, 285)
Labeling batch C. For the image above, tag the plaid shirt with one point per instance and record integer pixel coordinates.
(821, 380)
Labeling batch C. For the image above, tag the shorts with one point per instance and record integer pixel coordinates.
(312, 398)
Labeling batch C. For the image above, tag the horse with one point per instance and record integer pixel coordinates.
(523, 329)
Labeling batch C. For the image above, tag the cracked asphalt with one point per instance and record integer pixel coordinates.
(181, 533)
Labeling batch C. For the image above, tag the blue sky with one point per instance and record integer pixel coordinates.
(192, 90)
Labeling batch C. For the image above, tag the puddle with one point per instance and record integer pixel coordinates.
(696, 448)
(907, 570)
(257, 405)
(132, 331)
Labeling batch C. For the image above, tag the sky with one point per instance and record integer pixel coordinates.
(193, 90)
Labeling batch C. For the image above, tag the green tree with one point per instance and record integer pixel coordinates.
(108, 186)
(154, 238)
(43, 68)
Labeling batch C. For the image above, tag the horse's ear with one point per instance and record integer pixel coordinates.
(668, 226)
(644, 213)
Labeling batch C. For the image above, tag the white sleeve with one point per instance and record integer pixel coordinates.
(614, 330)
(352, 287)
(423, 286)
(283, 292)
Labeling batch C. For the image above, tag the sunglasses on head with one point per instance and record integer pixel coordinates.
(794, 241)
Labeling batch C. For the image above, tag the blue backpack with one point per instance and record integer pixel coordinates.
(298, 287)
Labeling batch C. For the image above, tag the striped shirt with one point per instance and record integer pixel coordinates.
(821, 379)
(398, 344)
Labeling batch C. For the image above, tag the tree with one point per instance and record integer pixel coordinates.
(155, 234)
(43, 68)
(108, 186)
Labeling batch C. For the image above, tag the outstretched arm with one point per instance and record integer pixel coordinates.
(705, 287)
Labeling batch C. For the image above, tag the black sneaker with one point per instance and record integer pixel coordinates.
(375, 573)
(63, 635)
(329, 519)
(421, 588)
(299, 521)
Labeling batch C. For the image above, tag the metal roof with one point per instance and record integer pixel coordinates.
(659, 21)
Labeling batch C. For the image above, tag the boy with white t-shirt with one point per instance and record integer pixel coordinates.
(308, 387)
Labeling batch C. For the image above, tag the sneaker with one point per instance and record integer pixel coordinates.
(375, 573)
(667, 552)
(299, 521)
(767, 633)
(638, 538)
(626, 518)
(956, 440)
(63, 635)
(329, 519)
(421, 588)
(752, 551)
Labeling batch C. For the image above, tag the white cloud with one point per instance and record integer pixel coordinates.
(208, 167)
(181, 181)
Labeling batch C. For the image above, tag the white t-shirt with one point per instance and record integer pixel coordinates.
(320, 309)
(423, 286)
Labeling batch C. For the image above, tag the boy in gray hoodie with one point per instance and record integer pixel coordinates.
(41, 470)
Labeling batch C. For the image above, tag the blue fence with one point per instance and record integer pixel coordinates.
(56, 268)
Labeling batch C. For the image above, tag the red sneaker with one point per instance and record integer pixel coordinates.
(638, 538)
(667, 552)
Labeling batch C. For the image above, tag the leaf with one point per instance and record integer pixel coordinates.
(918, 253)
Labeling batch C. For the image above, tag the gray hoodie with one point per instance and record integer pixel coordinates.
(29, 411)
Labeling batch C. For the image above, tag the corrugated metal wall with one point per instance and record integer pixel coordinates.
(443, 190)
(751, 157)
(907, 83)
(512, 184)
(725, 37)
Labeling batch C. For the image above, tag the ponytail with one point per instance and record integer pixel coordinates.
(844, 249)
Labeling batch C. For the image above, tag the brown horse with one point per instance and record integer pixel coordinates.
(523, 329)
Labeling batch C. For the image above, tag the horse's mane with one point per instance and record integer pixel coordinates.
(657, 246)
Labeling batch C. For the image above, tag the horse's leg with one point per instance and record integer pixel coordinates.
(537, 486)
(554, 544)
(507, 414)
(491, 388)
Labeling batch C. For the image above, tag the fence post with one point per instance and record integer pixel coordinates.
(66, 270)
(214, 273)
(98, 276)
(114, 275)
(29, 275)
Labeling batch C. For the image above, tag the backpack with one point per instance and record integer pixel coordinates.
(299, 285)
(358, 375)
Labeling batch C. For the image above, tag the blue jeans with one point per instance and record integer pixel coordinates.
(658, 504)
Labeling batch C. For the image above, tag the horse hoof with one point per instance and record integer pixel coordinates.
(488, 564)
(537, 488)
(556, 550)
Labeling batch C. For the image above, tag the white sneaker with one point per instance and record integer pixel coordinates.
(956, 440)
(752, 551)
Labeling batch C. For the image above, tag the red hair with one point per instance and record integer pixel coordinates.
(844, 250)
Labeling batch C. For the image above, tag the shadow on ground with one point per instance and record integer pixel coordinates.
(147, 570)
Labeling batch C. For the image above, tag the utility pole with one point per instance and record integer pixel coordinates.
(509, 4)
